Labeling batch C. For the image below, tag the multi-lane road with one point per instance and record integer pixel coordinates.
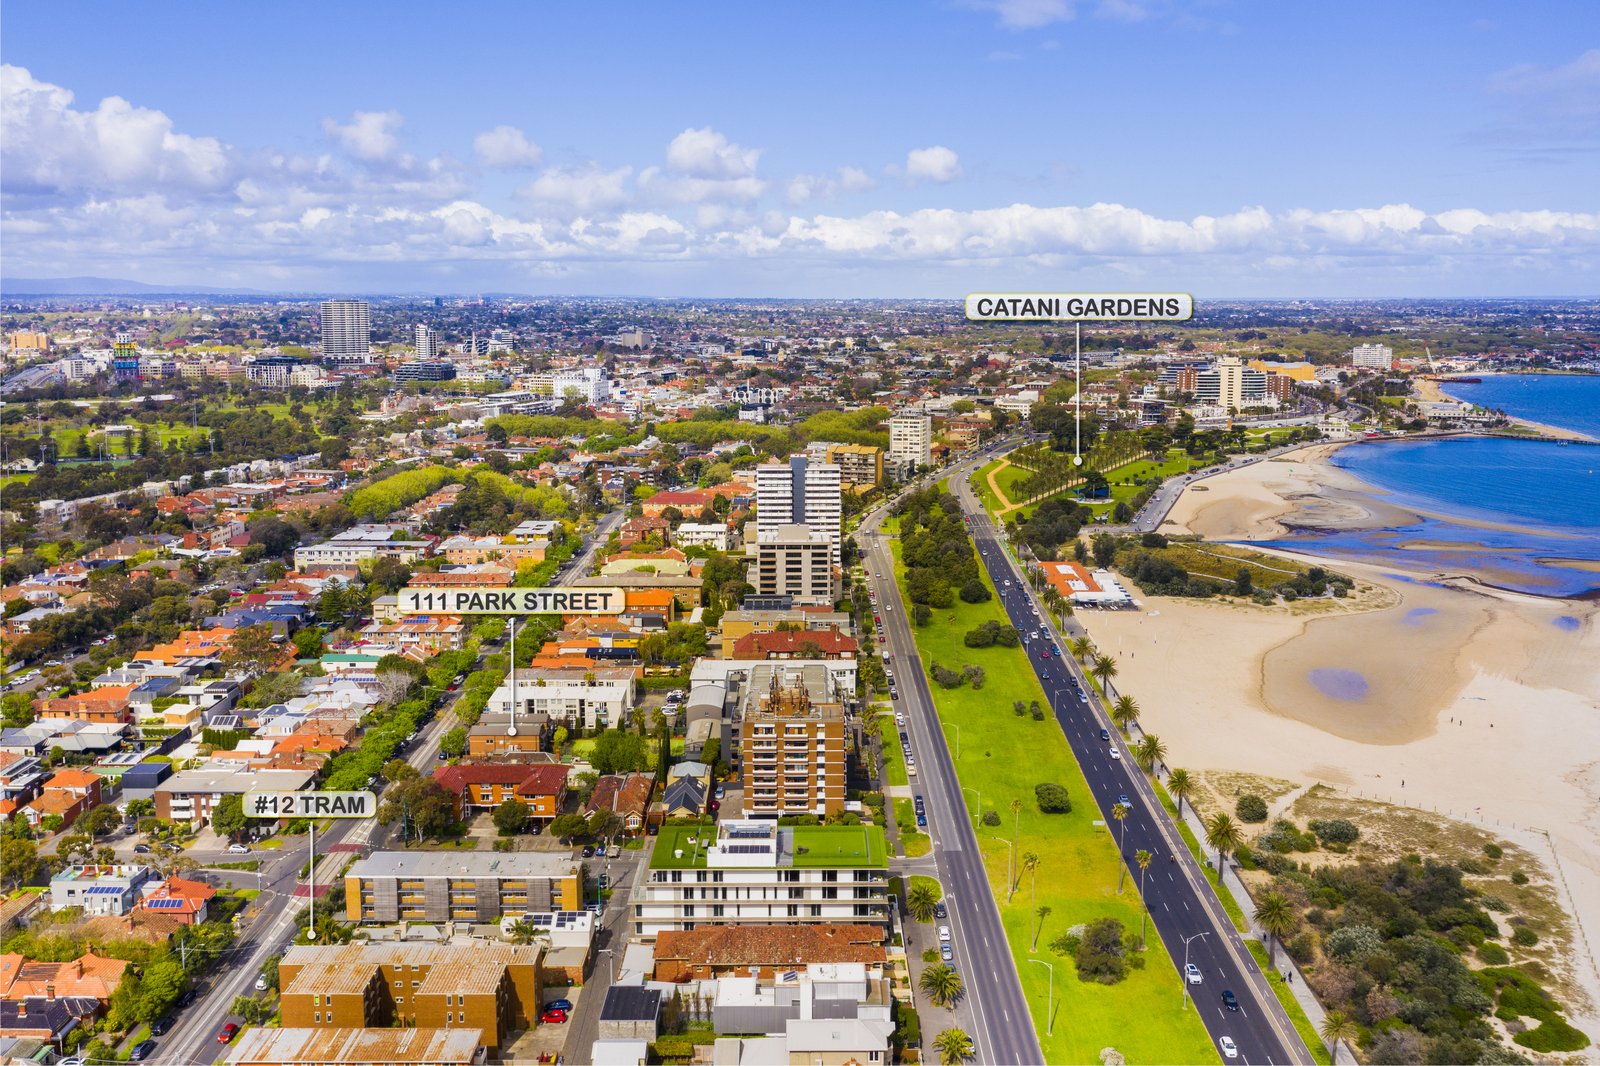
(1181, 903)
(1004, 1031)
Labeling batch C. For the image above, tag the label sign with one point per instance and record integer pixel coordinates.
(560, 600)
(310, 805)
(1080, 306)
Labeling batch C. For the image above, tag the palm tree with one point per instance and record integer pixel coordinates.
(1030, 863)
(1043, 913)
(522, 931)
(1080, 647)
(1180, 787)
(1124, 712)
(954, 1047)
(1277, 920)
(1119, 811)
(1150, 752)
(920, 901)
(941, 984)
(1142, 856)
(1224, 834)
(1104, 669)
(1016, 823)
(1336, 1027)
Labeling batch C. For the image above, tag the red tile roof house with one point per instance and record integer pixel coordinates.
(481, 786)
(185, 901)
(763, 951)
(628, 795)
(69, 793)
(790, 644)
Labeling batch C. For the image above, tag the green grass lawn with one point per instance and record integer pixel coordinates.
(894, 758)
(1004, 757)
(980, 485)
(931, 882)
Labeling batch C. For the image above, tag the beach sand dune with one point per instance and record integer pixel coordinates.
(1440, 694)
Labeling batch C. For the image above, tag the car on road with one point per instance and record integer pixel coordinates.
(1191, 973)
(552, 1016)
(894, 694)
(588, 851)
(947, 953)
(238, 849)
(1115, 754)
(229, 1031)
(141, 1051)
(1105, 734)
(1229, 1000)
(944, 933)
(160, 1026)
(940, 910)
(261, 982)
(1122, 801)
(599, 851)
(1229, 1048)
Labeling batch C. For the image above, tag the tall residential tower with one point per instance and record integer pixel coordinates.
(346, 331)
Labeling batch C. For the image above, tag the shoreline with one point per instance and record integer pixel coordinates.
(1430, 391)
(1437, 690)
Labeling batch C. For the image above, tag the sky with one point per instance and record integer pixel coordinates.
(1227, 148)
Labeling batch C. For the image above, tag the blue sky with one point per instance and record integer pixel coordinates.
(896, 149)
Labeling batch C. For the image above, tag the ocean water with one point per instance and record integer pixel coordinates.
(1568, 401)
(1512, 513)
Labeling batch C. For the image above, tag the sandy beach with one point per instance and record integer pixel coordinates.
(1438, 694)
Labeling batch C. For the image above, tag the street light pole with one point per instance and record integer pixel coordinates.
(1050, 1001)
(1186, 939)
(1011, 856)
(978, 809)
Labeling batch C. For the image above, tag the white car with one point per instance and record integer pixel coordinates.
(1192, 972)
(1115, 754)
(1229, 1048)
(238, 849)
(944, 932)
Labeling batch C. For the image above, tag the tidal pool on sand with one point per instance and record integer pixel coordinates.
(1338, 683)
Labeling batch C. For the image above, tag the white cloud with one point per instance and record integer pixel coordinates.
(371, 136)
(937, 163)
(582, 189)
(1028, 14)
(507, 148)
(47, 145)
(708, 154)
(1549, 104)
(803, 187)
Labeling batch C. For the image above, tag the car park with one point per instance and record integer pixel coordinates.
(1229, 1000)
(1229, 1048)
(1191, 973)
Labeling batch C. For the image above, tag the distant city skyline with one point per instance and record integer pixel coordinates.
(898, 151)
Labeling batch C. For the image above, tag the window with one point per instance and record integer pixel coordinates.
(319, 1017)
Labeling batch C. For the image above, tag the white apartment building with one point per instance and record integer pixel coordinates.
(745, 873)
(800, 492)
(356, 545)
(427, 342)
(911, 440)
(346, 331)
(1372, 357)
(1230, 384)
(701, 534)
(796, 561)
(568, 695)
(588, 385)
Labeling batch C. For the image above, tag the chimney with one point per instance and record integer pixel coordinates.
(50, 992)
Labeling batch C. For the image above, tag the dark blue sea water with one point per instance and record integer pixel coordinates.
(1540, 499)
(1555, 399)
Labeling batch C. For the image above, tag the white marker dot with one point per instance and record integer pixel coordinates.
(1077, 460)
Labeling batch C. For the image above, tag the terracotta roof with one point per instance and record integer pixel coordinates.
(771, 945)
(789, 642)
(88, 975)
(544, 780)
(456, 778)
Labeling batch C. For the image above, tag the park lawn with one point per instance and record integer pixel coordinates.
(894, 757)
(16, 479)
(1003, 757)
(980, 485)
(1010, 481)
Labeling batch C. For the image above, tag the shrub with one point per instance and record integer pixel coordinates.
(991, 818)
(1052, 798)
(1101, 952)
(1518, 877)
(1334, 830)
(1353, 942)
(975, 591)
(1524, 937)
(1494, 851)
(1284, 837)
(1493, 953)
(1302, 948)
(931, 955)
(1153, 540)
(1066, 944)
(1494, 903)
(982, 637)
(1251, 808)
(1554, 1034)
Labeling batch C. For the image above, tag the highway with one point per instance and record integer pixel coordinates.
(1005, 1032)
(193, 1036)
(1181, 903)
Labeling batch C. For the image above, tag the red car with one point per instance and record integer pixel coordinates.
(553, 1016)
(229, 1031)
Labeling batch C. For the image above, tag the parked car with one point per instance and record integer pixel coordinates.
(940, 910)
(552, 1017)
(142, 849)
(261, 982)
(599, 851)
(719, 793)
(141, 1051)
(947, 953)
(588, 851)
(944, 933)
(229, 1031)
(160, 1026)
(238, 849)
(559, 1004)
(1229, 1000)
